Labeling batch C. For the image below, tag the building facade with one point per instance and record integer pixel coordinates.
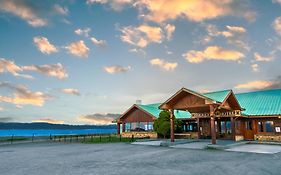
(216, 115)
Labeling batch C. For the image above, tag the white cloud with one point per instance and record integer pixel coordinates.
(71, 91)
(98, 119)
(2, 109)
(48, 120)
(255, 67)
(277, 25)
(99, 43)
(258, 57)
(114, 4)
(169, 30)
(61, 10)
(167, 66)
(83, 32)
(44, 45)
(22, 10)
(52, 70)
(78, 49)
(116, 69)
(213, 53)
(276, 1)
(23, 96)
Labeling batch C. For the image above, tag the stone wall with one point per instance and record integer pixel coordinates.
(239, 137)
(186, 135)
(261, 137)
(139, 134)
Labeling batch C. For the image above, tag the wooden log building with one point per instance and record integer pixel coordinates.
(214, 115)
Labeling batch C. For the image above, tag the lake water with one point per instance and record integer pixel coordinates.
(45, 132)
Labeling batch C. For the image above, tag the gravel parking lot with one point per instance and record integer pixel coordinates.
(124, 158)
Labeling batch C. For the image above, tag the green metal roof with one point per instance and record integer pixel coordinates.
(154, 110)
(266, 102)
(218, 95)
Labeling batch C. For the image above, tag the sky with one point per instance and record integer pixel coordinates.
(86, 61)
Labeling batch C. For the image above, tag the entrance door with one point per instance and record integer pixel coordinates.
(249, 134)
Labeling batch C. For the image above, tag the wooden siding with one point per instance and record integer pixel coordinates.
(136, 115)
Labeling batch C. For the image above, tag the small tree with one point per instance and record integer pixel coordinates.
(162, 124)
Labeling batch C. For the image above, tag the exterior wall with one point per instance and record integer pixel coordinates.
(187, 135)
(139, 134)
(137, 115)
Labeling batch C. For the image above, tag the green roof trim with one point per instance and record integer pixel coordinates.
(154, 110)
(258, 103)
(218, 96)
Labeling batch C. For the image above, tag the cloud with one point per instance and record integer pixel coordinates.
(23, 96)
(276, 1)
(6, 119)
(71, 91)
(99, 43)
(258, 84)
(98, 119)
(44, 45)
(61, 10)
(78, 49)
(48, 120)
(277, 25)
(11, 67)
(169, 30)
(258, 57)
(24, 11)
(255, 67)
(142, 35)
(52, 70)
(2, 109)
(168, 66)
(83, 32)
(116, 69)
(116, 5)
(193, 10)
(213, 53)
(236, 29)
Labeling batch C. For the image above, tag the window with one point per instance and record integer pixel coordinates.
(269, 126)
(260, 127)
(249, 125)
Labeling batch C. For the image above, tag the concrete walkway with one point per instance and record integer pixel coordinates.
(151, 143)
(257, 148)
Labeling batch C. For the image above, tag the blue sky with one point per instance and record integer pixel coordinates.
(83, 62)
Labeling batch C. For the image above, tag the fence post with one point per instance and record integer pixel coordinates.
(120, 138)
(12, 138)
(50, 136)
(64, 138)
(92, 139)
(84, 138)
(109, 137)
(100, 138)
(32, 137)
(70, 139)
(132, 138)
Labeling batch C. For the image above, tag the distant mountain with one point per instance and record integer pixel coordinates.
(38, 125)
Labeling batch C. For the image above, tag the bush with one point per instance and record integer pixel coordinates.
(162, 125)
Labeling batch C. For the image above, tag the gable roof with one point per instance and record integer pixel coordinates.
(266, 102)
(218, 96)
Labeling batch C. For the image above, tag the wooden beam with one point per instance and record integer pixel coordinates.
(198, 127)
(212, 122)
(118, 128)
(123, 127)
(172, 122)
(232, 127)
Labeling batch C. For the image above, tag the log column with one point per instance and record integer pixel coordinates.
(232, 128)
(172, 122)
(198, 128)
(212, 123)
(118, 128)
(123, 127)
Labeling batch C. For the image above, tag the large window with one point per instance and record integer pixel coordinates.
(139, 126)
(265, 126)
(191, 127)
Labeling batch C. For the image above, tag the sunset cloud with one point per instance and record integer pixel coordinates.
(83, 32)
(258, 84)
(258, 57)
(99, 43)
(277, 25)
(167, 66)
(44, 45)
(98, 119)
(213, 53)
(48, 120)
(70, 91)
(23, 11)
(52, 70)
(23, 96)
(116, 69)
(78, 49)
(169, 30)
(61, 10)
(114, 4)
(12, 68)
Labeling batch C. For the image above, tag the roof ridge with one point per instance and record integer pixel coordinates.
(263, 90)
(217, 91)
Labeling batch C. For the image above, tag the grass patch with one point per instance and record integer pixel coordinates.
(108, 139)
(9, 139)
